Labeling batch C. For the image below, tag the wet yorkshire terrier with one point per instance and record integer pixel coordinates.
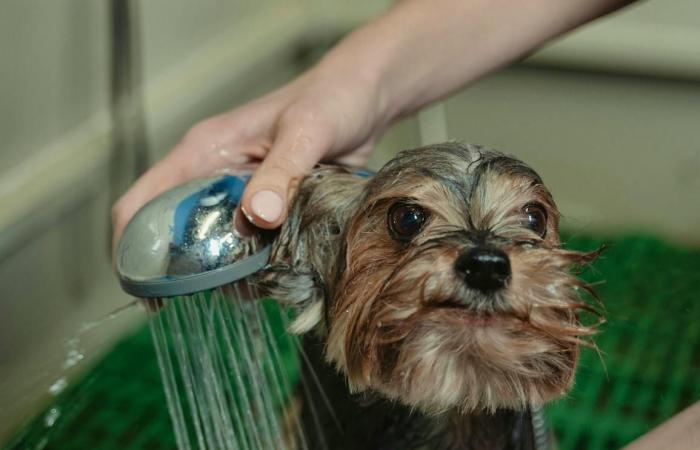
(442, 305)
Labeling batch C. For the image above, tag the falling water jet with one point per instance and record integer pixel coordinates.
(225, 377)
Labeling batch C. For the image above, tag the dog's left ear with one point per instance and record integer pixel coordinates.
(308, 253)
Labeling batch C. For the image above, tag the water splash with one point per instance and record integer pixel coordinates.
(74, 354)
(58, 386)
(41, 445)
(73, 357)
(51, 417)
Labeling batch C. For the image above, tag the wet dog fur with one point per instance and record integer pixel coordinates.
(380, 271)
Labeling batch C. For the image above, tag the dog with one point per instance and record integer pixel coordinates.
(438, 304)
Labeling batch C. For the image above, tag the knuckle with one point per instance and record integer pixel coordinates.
(202, 132)
(287, 164)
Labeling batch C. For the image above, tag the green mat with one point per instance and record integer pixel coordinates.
(650, 346)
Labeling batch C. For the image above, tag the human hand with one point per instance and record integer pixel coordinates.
(417, 52)
(320, 116)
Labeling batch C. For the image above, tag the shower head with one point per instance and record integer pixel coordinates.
(185, 241)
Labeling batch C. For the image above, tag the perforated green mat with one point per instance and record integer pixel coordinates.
(650, 346)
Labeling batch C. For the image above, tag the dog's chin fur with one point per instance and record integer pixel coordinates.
(396, 317)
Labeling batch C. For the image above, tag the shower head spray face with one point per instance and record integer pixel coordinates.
(185, 241)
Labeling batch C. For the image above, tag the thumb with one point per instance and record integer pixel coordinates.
(295, 152)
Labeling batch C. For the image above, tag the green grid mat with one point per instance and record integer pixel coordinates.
(650, 346)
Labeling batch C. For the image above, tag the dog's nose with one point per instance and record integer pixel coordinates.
(484, 268)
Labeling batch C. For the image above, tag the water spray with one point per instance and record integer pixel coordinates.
(223, 355)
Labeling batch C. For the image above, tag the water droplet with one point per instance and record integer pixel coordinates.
(58, 386)
(73, 358)
(42, 444)
(232, 158)
(51, 417)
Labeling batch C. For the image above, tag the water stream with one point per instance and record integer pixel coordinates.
(229, 371)
(231, 375)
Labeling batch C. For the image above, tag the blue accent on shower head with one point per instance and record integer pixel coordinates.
(185, 241)
(229, 186)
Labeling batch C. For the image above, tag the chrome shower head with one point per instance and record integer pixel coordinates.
(185, 241)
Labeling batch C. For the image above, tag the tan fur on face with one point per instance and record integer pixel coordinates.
(391, 332)
(400, 320)
(500, 197)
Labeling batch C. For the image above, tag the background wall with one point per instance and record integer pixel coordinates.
(620, 153)
(608, 115)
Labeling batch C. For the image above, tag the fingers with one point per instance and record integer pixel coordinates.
(299, 145)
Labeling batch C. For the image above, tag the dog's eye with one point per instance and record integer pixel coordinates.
(535, 219)
(406, 220)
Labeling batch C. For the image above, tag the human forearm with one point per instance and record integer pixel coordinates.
(680, 432)
(423, 50)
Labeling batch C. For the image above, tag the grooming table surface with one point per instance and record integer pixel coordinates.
(650, 347)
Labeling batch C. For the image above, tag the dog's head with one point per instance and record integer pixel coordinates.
(439, 282)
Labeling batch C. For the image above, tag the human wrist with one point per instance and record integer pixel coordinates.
(361, 62)
(420, 51)
(384, 58)
(349, 85)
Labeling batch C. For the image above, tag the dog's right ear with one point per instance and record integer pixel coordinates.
(308, 252)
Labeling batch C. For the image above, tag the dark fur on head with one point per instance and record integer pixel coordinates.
(397, 317)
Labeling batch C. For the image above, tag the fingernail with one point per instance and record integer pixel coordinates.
(267, 205)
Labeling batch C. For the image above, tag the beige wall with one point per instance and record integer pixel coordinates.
(54, 72)
(608, 115)
(55, 271)
(620, 153)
